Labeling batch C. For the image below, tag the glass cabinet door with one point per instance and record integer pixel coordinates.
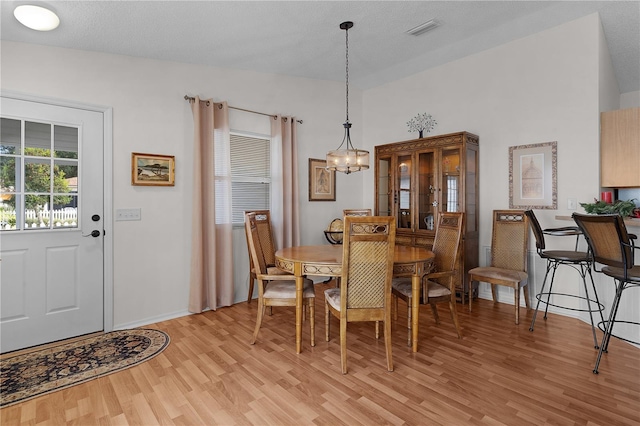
(427, 191)
(450, 181)
(403, 185)
(471, 191)
(385, 188)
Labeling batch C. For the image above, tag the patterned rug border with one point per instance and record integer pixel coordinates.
(64, 375)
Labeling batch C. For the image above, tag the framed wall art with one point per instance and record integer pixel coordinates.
(322, 182)
(152, 169)
(533, 176)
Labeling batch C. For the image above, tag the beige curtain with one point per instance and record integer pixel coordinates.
(211, 282)
(285, 196)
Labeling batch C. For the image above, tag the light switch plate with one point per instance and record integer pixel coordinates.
(128, 214)
(571, 204)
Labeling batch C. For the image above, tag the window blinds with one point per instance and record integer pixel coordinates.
(250, 174)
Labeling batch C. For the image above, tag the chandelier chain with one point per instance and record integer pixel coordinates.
(347, 68)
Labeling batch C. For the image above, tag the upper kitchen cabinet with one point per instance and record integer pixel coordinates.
(620, 148)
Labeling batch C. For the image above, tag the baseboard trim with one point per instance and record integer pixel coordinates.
(153, 320)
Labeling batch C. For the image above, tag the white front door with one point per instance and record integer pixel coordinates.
(52, 223)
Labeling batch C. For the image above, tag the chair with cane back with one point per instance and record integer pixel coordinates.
(509, 245)
(367, 269)
(275, 289)
(440, 284)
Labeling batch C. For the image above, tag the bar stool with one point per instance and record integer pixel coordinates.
(579, 260)
(613, 247)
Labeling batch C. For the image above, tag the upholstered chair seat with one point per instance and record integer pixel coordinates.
(433, 288)
(287, 289)
(272, 270)
(502, 276)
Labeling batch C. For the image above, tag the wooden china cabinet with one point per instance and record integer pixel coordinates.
(416, 180)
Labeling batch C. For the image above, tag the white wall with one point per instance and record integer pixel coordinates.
(537, 89)
(608, 85)
(150, 115)
(630, 100)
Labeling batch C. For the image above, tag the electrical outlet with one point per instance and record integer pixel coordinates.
(571, 204)
(128, 214)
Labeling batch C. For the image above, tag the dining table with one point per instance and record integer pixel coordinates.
(326, 260)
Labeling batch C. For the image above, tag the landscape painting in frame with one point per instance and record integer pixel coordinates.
(152, 169)
(533, 173)
(322, 182)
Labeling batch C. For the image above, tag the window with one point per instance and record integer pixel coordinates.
(38, 175)
(250, 174)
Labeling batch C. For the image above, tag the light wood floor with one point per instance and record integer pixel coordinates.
(499, 373)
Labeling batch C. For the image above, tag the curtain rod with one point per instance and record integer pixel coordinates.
(192, 99)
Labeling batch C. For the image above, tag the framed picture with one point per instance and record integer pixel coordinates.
(533, 176)
(152, 169)
(322, 182)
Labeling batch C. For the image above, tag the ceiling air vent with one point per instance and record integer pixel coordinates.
(423, 28)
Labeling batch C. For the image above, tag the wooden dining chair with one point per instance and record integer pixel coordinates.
(440, 284)
(356, 212)
(509, 245)
(275, 289)
(367, 269)
(267, 245)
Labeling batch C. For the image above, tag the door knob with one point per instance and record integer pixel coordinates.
(95, 234)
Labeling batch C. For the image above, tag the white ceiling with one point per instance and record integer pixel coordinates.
(302, 38)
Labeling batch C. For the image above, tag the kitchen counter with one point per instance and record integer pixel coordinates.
(629, 221)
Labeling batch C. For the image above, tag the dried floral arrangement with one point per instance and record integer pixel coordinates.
(421, 123)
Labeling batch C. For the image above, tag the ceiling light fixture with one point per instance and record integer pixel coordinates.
(349, 159)
(423, 28)
(36, 17)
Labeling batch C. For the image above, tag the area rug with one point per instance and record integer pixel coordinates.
(37, 373)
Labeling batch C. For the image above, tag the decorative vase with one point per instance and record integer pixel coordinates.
(428, 221)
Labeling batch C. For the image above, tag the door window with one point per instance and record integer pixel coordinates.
(38, 175)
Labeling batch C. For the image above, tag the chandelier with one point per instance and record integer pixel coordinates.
(349, 159)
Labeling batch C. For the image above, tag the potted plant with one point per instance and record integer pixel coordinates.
(623, 208)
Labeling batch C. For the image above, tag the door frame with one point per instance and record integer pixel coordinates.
(107, 114)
